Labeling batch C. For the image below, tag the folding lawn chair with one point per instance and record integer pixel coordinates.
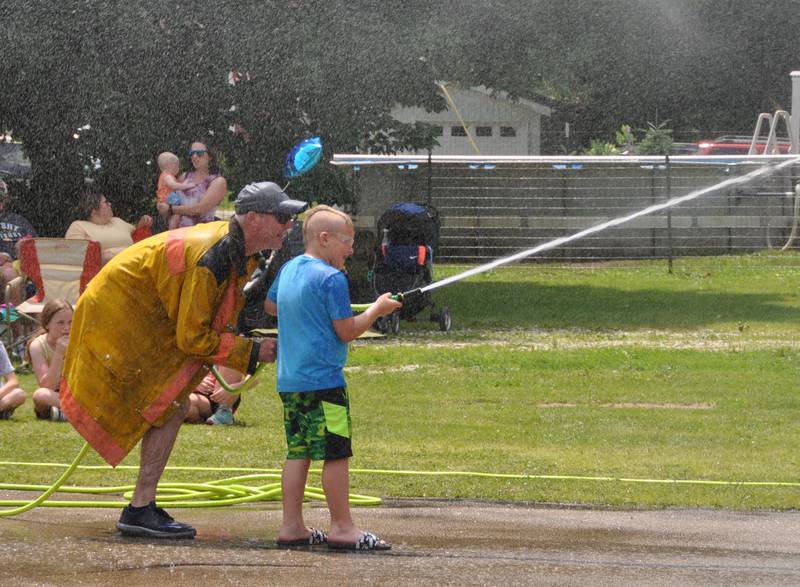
(59, 268)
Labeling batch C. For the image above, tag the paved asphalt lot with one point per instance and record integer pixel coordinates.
(435, 543)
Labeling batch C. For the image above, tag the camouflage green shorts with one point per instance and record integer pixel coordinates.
(317, 424)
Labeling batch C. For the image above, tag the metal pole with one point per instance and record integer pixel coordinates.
(653, 248)
(429, 200)
(669, 215)
(794, 118)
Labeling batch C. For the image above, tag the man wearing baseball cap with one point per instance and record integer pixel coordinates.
(149, 325)
(266, 197)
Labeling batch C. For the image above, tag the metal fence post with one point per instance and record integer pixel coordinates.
(669, 213)
(429, 200)
(653, 200)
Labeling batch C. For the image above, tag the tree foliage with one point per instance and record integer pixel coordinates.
(144, 77)
(149, 76)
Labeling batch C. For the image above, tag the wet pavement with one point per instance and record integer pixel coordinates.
(435, 543)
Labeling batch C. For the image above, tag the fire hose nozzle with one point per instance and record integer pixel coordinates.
(407, 296)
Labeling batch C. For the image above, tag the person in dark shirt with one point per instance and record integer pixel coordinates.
(13, 228)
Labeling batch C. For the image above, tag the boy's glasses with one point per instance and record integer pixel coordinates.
(344, 238)
(198, 152)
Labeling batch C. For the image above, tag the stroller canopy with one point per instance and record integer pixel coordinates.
(410, 223)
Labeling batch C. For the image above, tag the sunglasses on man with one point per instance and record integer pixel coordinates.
(281, 217)
(198, 152)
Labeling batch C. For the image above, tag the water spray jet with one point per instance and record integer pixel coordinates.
(767, 169)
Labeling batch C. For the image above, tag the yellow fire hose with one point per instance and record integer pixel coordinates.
(238, 489)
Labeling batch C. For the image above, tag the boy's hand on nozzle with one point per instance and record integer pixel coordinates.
(386, 304)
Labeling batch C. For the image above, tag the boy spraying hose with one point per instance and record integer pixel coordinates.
(147, 324)
(315, 323)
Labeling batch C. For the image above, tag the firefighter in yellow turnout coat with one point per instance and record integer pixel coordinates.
(146, 326)
(143, 329)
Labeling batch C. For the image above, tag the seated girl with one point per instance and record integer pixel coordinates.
(47, 358)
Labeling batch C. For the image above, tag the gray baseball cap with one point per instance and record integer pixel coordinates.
(264, 197)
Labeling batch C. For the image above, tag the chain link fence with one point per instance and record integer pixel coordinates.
(492, 208)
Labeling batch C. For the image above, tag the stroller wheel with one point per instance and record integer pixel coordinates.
(444, 320)
(394, 322)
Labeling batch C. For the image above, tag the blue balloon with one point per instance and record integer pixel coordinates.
(303, 157)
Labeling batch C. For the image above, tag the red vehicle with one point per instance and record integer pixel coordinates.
(735, 145)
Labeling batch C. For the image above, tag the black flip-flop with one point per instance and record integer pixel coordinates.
(315, 538)
(366, 542)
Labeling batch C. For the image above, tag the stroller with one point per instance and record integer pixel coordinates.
(403, 261)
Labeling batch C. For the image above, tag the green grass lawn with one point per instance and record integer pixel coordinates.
(623, 372)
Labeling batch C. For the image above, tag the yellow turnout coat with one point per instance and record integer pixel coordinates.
(145, 327)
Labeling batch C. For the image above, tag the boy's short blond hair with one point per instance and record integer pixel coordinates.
(167, 158)
(308, 225)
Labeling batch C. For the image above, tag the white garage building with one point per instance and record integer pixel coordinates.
(496, 124)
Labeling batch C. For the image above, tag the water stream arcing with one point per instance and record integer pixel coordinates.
(765, 170)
